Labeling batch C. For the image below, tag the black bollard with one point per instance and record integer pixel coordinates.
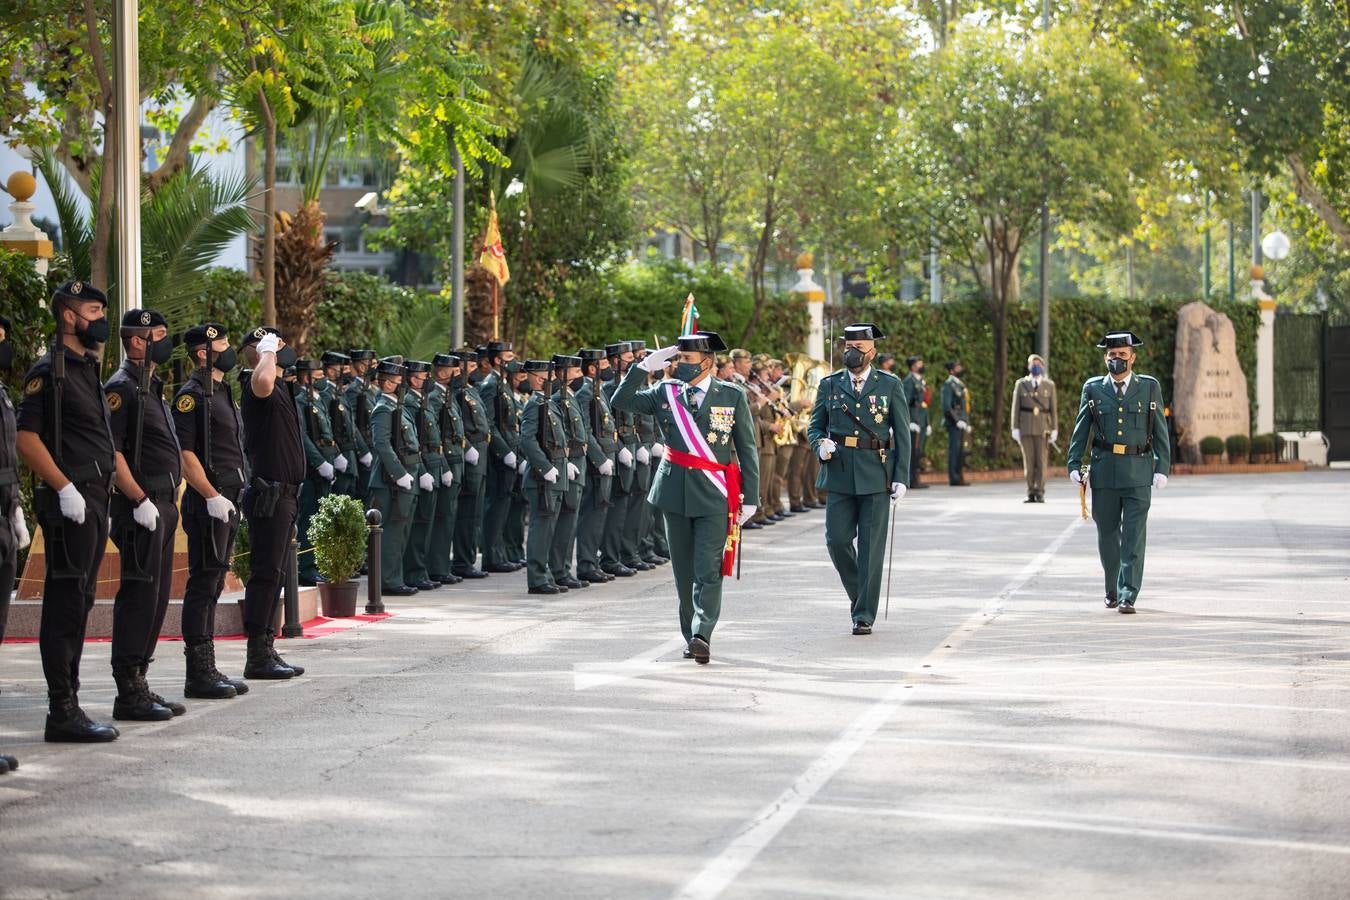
(374, 595)
(292, 627)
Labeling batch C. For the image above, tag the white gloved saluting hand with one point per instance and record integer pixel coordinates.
(657, 359)
(268, 343)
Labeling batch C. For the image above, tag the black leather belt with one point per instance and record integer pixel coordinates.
(1122, 449)
(159, 485)
(861, 443)
(228, 478)
(91, 474)
(409, 459)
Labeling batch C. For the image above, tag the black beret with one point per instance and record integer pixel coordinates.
(142, 318)
(618, 348)
(252, 337)
(78, 292)
(334, 358)
(204, 334)
(1120, 339)
(358, 355)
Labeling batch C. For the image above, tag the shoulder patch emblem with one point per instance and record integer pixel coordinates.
(114, 401)
(33, 386)
(186, 403)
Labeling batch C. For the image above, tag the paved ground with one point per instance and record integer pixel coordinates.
(1000, 736)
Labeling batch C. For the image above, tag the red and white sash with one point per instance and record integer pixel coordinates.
(693, 438)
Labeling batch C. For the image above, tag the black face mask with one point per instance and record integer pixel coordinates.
(95, 332)
(919, 370)
(576, 383)
(608, 374)
(6, 355)
(1117, 366)
(285, 358)
(346, 378)
(511, 367)
(159, 352)
(225, 360)
(854, 358)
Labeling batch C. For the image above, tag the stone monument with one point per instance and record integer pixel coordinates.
(1208, 384)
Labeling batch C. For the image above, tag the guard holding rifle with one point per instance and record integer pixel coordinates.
(477, 435)
(428, 441)
(566, 381)
(543, 441)
(351, 444)
(860, 431)
(699, 486)
(394, 478)
(276, 459)
(627, 491)
(503, 464)
(64, 437)
(956, 415)
(360, 395)
(210, 435)
(322, 461)
(601, 452)
(451, 427)
(144, 512)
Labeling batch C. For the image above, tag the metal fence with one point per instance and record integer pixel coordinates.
(1300, 351)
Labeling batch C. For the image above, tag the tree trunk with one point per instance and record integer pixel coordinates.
(1311, 195)
(269, 247)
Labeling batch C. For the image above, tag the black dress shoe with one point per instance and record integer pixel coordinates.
(402, 590)
(427, 585)
(1031, 498)
(862, 628)
(500, 568)
(655, 560)
(594, 577)
(562, 588)
(620, 571)
(688, 654)
(471, 573)
(1112, 601)
(607, 576)
(751, 526)
(1040, 498)
(1127, 607)
(544, 589)
(638, 565)
(568, 581)
(11, 762)
(449, 579)
(68, 724)
(797, 509)
(700, 650)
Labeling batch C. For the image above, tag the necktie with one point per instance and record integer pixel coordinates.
(1120, 390)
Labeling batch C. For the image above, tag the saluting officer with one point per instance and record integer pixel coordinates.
(63, 436)
(360, 395)
(956, 415)
(441, 402)
(1131, 455)
(276, 461)
(143, 510)
(916, 395)
(395, 477)
(349, 440)
(627, 491)
(543, 441)
(478, 436)
(210, 437)
(568, 380)
(13, 529)
(602, 449)
(427, 438)
(699, 486)
(860, 430)
(321, 456)
(1035, 414)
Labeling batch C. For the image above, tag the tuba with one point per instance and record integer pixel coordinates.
(806, 377)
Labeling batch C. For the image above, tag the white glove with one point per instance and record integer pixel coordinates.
(426, 482)
(643, 457)
(405, 481)
(573, 473)
(551, 476)
(268, 343)
(341, 462)
(367, 459)
(524, 464)
(656, 360)
(825, 449)
(72, 504)
(747, 511)
(509, 459)
(447, 478)
(658, 450)
(1159, 480)
(607, 467)
(964, 426)
(219, 507)
(897, 490)
(1076, 476)
(325, 470)
(1054, 435)
(471, 456)
(21, 535)
(930, 431)
(625, 457)
(1017, 435)
(146, 515)
(914, 427)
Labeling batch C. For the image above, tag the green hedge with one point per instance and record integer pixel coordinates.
(961, 330)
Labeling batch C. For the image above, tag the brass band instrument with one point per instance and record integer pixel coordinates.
(806, 377)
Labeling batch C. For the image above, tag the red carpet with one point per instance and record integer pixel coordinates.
(319, 626)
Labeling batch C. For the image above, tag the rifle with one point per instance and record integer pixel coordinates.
(60, 549)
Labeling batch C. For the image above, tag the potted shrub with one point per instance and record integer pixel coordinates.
(1239, 445)
(338, 534)
(1211, 450)
(1263, 448)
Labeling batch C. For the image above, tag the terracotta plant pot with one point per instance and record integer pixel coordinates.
(1263, 459)
(1238, 460)
(1212, 459)
(339, 600)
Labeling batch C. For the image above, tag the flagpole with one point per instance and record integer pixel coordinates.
(496, 310)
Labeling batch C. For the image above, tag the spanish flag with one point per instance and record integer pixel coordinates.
(689, 317)
(493, 257)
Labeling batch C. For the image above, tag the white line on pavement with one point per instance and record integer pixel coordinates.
(1137, 831)
(589, 675)
(720, 871)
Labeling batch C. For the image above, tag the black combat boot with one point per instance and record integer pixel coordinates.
(276, 657)
(260, 663)
(174, 707)
(67, 723)
(134, 702)
(202, 682)
(240, 687)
